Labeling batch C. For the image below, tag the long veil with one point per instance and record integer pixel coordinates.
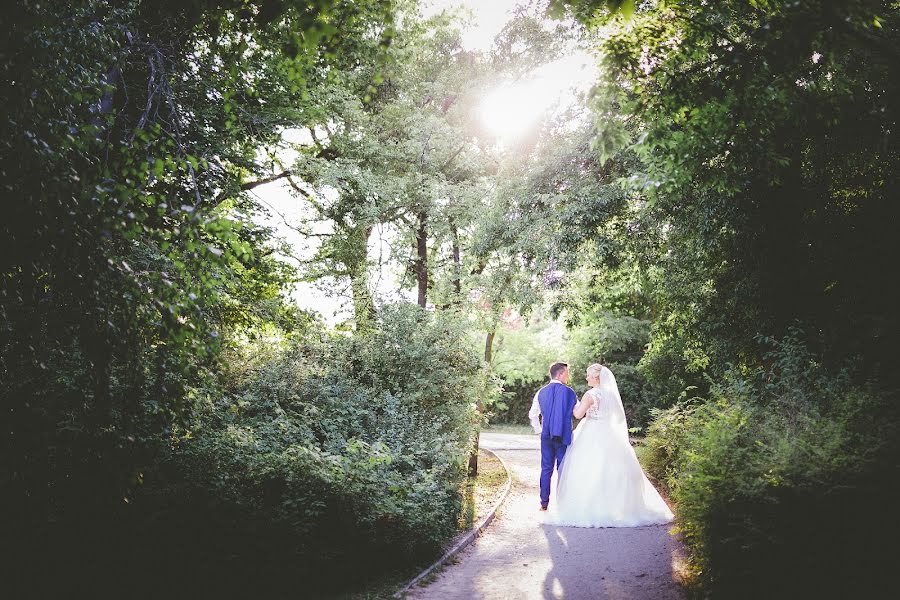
(609, 391)
(601, 483)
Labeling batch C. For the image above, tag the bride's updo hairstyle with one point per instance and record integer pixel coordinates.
(595, 370)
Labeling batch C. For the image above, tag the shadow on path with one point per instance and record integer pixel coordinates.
(518, 557)
(634, 562)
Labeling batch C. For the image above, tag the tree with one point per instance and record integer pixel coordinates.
(128, 255)
(767, 164)
(765, 169)
(398, 154)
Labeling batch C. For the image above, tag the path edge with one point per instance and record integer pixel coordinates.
(468, 538)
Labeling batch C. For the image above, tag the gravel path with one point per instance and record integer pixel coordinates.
(517, 557)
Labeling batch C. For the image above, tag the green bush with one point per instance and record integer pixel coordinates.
(618, 342)
(515, 402)
(664, 440)
(335, 451)
(328, 460)
(784, 481)
(522, 357)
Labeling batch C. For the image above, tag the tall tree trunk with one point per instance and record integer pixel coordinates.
(488, 355)
(489, 346)
(422, 258)
(363, 304)
(457, 283)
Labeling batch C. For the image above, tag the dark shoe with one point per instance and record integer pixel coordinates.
(543, 508)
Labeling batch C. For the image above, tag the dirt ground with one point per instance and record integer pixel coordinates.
(517, 557)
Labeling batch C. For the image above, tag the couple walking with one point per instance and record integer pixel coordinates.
(599, 480)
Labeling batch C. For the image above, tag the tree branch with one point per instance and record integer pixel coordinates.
(453, 156)
(255, 184)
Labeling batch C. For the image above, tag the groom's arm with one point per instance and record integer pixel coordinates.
(534, 415)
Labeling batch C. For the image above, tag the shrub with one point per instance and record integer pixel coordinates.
(329, 459)
(783, 480)
(515, 402)
(618, 342)
(522, 356)
(664, 440)
(333, 451)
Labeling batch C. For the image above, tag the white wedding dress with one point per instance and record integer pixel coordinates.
(601, 483)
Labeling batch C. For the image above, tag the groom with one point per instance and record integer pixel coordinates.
(551, 416)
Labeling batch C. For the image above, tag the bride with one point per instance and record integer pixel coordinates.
(601, 483)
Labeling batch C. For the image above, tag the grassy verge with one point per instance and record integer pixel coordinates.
(481, 492)
(642, 453)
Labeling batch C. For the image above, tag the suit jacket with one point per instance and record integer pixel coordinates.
(557, 402)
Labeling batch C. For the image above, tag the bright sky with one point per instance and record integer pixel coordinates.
(489, 17)
(508, 111)
(511, 109)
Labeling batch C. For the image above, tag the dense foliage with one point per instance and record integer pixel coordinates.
(325, 452)
(133, 276)
(780, 480)
(522, 353)
(762, 163)
(713, 221)
(766, 152)
(524, 350)
(125, 260)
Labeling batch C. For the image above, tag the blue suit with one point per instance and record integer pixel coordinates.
(557, 402)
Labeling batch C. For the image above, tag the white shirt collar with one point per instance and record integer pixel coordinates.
(555, 381)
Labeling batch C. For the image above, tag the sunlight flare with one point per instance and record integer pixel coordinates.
(510, 110)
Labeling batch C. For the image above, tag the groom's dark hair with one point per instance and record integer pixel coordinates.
(557, 368)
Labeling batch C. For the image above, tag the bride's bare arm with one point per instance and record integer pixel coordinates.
(583, 405)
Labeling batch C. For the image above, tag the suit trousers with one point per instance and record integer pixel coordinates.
(552, 452)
